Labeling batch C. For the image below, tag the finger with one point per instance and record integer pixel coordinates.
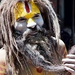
(71, 56)
(70, 66)
(70, 70)
(67, 60)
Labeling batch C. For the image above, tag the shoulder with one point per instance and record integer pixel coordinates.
(61, 47)
(2, 55)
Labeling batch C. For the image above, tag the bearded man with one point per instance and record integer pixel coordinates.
(31, 38)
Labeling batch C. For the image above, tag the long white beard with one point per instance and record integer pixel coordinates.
(41, 49)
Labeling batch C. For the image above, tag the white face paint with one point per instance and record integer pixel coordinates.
(39, 20)
(22, 25)
(28, 16)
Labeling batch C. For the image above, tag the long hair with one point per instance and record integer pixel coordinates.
(7, 20)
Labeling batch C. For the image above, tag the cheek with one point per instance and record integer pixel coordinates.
(20, 26)
(39, 21)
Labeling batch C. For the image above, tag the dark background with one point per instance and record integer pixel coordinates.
(65, 11)
(69, 19)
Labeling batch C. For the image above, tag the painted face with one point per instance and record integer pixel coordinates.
(27, 15)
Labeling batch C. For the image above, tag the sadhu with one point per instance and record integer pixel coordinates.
(31, 38)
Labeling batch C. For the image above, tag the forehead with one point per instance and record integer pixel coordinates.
(25, 9)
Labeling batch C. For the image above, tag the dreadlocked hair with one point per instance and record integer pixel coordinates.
(6, 18)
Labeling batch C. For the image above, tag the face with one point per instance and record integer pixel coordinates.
(27, 15)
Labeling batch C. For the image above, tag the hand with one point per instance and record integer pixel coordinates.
(69, 63)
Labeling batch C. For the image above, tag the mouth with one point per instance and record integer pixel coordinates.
(40, 48)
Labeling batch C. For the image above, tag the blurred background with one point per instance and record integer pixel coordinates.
(65, 11)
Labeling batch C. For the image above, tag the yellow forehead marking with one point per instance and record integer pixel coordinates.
(19, 10)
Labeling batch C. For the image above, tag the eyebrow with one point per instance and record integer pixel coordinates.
(36, 14)
(21, 18)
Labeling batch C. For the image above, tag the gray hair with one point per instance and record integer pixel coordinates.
(6, 18)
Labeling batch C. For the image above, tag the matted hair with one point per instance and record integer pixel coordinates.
(7, 20)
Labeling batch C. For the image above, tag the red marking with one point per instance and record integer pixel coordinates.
(27, 7)
(38, 69)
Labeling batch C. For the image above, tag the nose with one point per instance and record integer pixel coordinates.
(31, 23)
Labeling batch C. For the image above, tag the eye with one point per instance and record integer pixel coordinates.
(36, 16)
(21, 19)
